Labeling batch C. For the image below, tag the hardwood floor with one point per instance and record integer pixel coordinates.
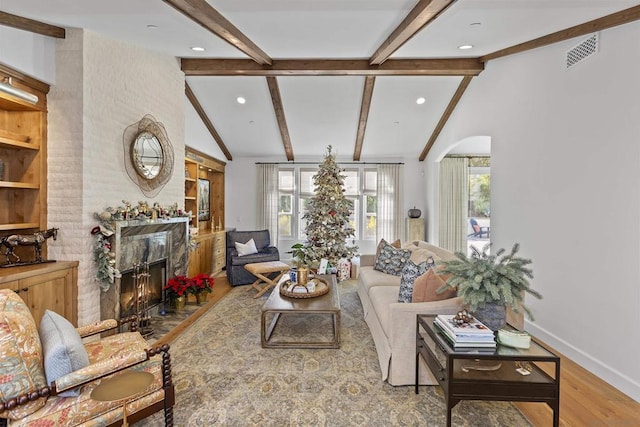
(220, 289)
(585, 400)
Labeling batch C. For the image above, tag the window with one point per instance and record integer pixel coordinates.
(370, 203)
(285, 202)
(296, 188)
(479, 213)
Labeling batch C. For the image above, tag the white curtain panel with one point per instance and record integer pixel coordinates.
(390, 213)
(454, 200)
(267, 215)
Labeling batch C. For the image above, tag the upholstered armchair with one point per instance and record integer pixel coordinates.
(236, 273)
(31, 357)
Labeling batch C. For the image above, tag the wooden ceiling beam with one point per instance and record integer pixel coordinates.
(30, 25)
(280, 116)
(422, 14)
(445, 116)
(333, 67)
(205, 119)
(201, 12)
(367, 94)
(619, 18)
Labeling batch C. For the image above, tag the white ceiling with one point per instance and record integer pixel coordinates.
(321, 110)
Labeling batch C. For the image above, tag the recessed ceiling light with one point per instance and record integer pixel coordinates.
(152, 27)
(420, 100)
(241, 100)
(197, 49)
(465, 47)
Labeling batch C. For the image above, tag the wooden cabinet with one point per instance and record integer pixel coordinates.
(209, 255)
(49, 286)
(23, 157)
(414, 229)
(219, 251)
(204, 191)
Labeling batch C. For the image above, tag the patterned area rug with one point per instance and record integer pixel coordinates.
(224, 377)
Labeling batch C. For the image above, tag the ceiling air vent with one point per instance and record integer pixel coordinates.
(583, 50)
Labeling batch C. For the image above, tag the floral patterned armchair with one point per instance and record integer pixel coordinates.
(27, 398)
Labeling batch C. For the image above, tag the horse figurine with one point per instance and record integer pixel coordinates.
(36, 240)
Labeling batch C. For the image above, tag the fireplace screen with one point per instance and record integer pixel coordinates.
(130, 298)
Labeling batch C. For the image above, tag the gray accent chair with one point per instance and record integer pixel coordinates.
(236, 273)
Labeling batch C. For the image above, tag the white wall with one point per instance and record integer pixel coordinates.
(103, 87)
(30, 53)
(565, 175)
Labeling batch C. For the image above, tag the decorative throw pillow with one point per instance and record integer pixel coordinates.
(391, 260)
(246, 248)
(383, 242)
(410, 273)
(426, 286)
(62, 347)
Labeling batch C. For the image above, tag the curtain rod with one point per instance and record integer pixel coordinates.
(318, 163)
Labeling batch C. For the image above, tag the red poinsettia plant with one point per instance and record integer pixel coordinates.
(182, 285)
(177, 286)
(201, 283)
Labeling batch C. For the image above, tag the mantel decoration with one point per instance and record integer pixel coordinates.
(489, 284)
(148, 155)
(102, 254)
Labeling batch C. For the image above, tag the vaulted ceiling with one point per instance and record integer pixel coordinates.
(318, 72)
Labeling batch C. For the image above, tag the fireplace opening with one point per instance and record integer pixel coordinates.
(141, 298)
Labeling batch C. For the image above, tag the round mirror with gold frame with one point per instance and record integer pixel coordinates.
(148, 155)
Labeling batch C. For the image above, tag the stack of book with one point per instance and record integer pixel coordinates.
(473, 335)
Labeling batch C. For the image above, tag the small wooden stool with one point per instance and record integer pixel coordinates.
(261, 270)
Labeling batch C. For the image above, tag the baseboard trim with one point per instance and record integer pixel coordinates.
(623, 383)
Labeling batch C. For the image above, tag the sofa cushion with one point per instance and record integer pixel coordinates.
(391, 260)
(381, 299)
(248, 248)
(21, 355)
(424, 255)
(371, 278)
(62, 347)
(410, 273)
(426, 286)
(438, 251)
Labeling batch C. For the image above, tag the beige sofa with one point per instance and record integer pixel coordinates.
(393, 324)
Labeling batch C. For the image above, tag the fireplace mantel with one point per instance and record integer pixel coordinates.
(172, 244)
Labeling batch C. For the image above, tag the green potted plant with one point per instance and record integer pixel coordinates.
(302, 261)
(299, 255)
(489, 284)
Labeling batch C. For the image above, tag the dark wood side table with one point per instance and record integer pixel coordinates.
(506, 374)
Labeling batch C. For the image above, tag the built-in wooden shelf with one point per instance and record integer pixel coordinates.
(23, 155)
(26, 185)
(17, 144)
(19, 226)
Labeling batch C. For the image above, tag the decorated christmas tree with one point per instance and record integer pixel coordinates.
(328, 230)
